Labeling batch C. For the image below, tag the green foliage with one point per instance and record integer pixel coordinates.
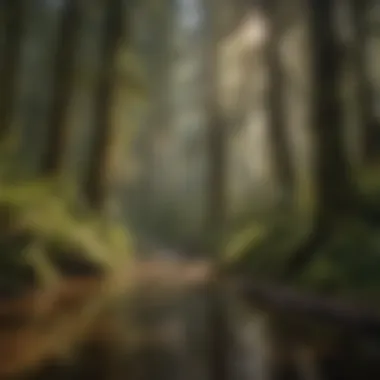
(36, 216)
(349, 265)
(262, 247)
(250, 236)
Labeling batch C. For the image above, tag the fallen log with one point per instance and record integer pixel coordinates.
(280, 299)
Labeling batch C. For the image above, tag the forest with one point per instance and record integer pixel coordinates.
(190, 189)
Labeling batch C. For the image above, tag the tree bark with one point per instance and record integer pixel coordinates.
(336, 194)
(216, 202)
(335, 188)
(12, 11)
(35, 74)
(62, 87)
(216, 136)
(371, 129)
(97, 184)
(280, 149)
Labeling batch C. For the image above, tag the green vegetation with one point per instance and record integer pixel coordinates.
(347, 267)
(41, 228)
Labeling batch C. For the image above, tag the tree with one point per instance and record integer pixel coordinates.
(360, 28)
(62, 87)
(280, 149)
(216, 139)
(216, 200)
(96, 185)
(335, 190)
(364, 96)
(12, 14)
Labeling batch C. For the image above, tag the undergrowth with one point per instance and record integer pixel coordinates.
(36, 215)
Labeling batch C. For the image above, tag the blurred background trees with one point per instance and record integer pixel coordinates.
(245, 129)
(250, 66)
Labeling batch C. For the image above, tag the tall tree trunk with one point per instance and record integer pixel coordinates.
(62, 87)
(33, 99)
(359, 14)
(96, 184)
(81, 114)
(281, 154)
(12, 16)
(216, 143)
(335, 190)
(216, 202)
(337, 195)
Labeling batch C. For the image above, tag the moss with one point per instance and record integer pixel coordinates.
(39, 227)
